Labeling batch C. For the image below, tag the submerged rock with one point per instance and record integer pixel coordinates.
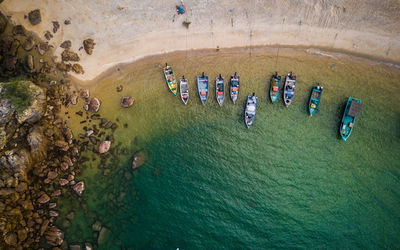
(35, 17)
(79, 187)
(28, 44)
(31, 64)
(88, 45)
(103, 235)
(96, 226)
(85, 94)
(138, 159)
(126, 101)
(104, 147)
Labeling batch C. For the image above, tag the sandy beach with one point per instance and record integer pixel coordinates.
(124, 32)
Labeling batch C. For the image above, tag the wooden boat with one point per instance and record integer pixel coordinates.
(203, 86)
(315, 99)
(234, 87)
(170, 78)
(290, 87)
(351, 112)
(250, 111)
(184, 90)
(274, 88)
(220, 89)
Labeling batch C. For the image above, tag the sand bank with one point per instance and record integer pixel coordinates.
(126, 31)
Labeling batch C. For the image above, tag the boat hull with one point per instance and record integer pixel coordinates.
(289, 89)
(170, 79)
(234, 88)
(184, 90)
(315, 99)
(250, 111)
(348, 121)
(203, 88)
(220, 90)
(274, 88)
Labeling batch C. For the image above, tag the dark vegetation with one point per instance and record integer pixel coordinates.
(18, 93)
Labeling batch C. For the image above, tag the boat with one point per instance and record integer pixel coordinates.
(234, 87)
(250, 111)
(203, 86)
(315, 99)
(274, 88)
(220, 89)
(184, 89)
(170, 78)
(290, 87)
(351, 112)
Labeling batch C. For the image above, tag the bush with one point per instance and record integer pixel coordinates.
(18, 93)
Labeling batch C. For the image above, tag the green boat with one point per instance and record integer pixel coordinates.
(351, 112)
(274, 88)
(315, 99)
(170, 78)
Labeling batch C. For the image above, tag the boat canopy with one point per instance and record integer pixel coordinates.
(252, 108)
(355, 108)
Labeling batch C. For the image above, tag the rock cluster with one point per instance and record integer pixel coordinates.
(88, 45)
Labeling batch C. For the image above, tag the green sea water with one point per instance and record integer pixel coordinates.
(210, 183)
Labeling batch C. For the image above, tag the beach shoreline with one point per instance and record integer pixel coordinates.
(125, 33)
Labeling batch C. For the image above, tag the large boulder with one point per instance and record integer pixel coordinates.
(88, 45)
(54, 236)
(94, 104)
(35, 17)
(126, 101)
(104, 147)
(37, 108)
(8, 124)
(79, 188)
(103, 235)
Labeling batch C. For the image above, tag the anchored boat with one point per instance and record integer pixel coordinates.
(203, 86)
(274, 88)
(170, 78)
(220, 89)
(351, 112)
(234, 88)
(184, 89)
(290, 87)
(250, 111)
(315, 99)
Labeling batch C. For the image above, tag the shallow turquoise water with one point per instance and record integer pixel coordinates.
(287, 182)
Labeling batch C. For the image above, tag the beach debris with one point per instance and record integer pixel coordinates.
(126, 101)
(68, 55)
(186, 24)
(48, 35)
(94, 105)
(34, 17)
(88, 45)
(104, 147)
(66, 44)
(79, 187)
(56, 26)
(138, 159)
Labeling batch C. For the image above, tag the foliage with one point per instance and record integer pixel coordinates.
(18, 93)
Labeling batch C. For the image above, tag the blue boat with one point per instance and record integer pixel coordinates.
(274, 88)
(234, 87)
(203, 86)
(351, 112)
(220, 89)
(250, 111)
(290, 87)
(315, 98)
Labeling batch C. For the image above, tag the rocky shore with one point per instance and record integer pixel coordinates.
(39, 157)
